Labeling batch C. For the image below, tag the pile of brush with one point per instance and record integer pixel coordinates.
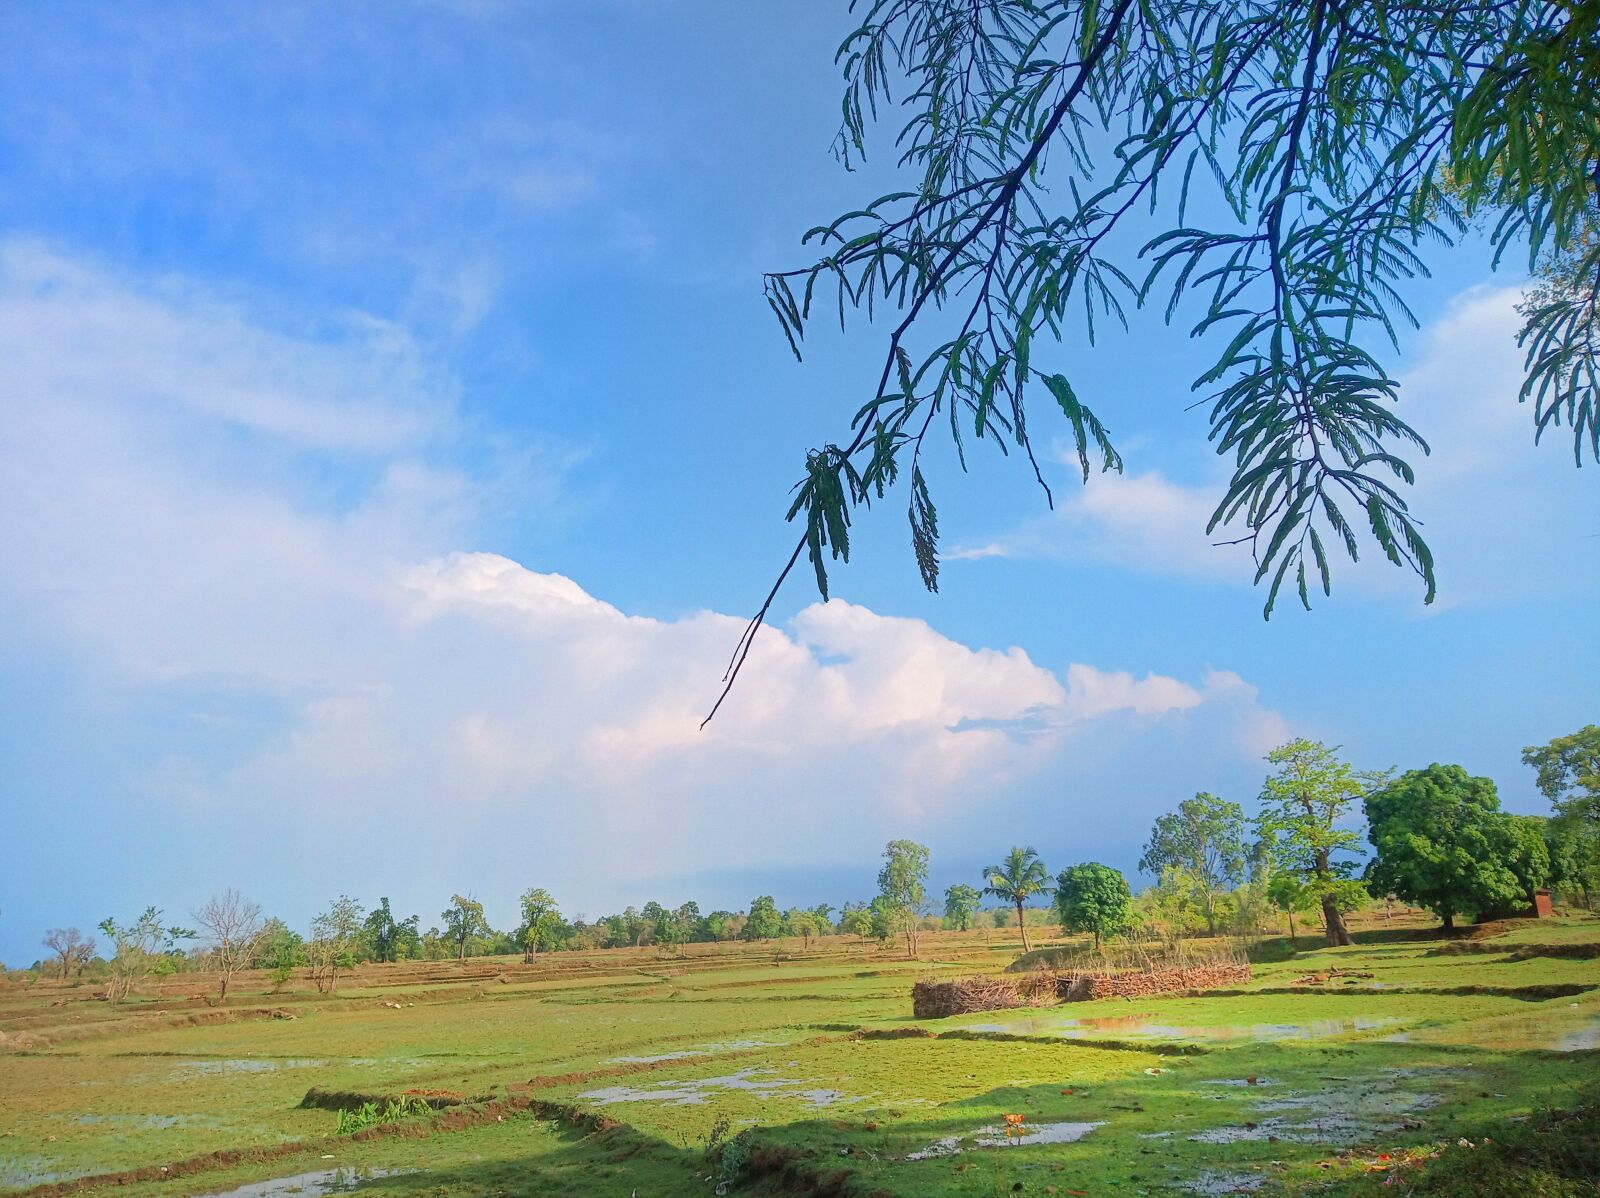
(1083, 986)
(983, 992)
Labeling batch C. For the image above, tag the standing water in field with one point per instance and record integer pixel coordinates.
(996, 1137)
(323, 1181)
(693, 1092)
(1146, 1027)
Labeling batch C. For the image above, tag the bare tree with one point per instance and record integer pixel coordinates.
(71, 946)
(232, 927)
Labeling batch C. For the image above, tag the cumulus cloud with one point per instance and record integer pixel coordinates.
(339, 661)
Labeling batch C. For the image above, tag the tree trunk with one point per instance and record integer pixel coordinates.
(1332, 921)
(1338, 934)
(222, 989)
(1449, 921)
(1022, 927)
(1291, 925)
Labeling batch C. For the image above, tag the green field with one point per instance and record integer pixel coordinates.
(609, 1073)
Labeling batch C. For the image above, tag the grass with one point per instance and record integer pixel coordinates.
(604, 1073)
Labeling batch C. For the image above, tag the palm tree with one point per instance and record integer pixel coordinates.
(1017, 879)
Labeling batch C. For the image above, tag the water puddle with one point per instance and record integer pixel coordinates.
(152, 1121)
(1025, 1027)
(1214, 1185)
(704, 1050)
(1585, 1039)
(695, 1092)
(1383, 1102)
(21, 1173)
(741, 1045)
(250, 1065)
(1145, 1027)
(324, 1181)
(655, 1057)
(1349, 1111)
(996, 1137)
(1321, 1029)
(1333, 1129)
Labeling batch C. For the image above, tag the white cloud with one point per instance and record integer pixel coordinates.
(1140, 521)
(176, 544)
(71, 332)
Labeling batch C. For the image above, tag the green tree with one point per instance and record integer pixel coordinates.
(138, 948)
(1302, 806)
(1522, 847)
(280, 947)
(389, 939)
(824, 917)
(801, 922)
(408, 938)
(463, 919)
(1245, 908)
(1289, 893)
(716, 925)
(1174, 907)
(763, 922)
(1574, 865)
(434, 946)
(1206, 837)
(657, 923)
(902, 885)
(1441, 842)
(1290, 161)
(335, 937)
(884, 919)
(1568, 770)
(960, 904)
(279, 951)
(1016, 880)
(1092, 898)
(635, 927)
(540, 916)
(856, 920)
(686, 922)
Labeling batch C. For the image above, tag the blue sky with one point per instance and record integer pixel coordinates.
(395, 438)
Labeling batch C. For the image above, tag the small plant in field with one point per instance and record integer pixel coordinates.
(715, 1141)
(351, 1121)
(730, 1156)
(370, 1114)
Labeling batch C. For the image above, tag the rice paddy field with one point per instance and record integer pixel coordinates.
(759, 1069)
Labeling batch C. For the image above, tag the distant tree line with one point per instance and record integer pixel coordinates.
(1438, 839)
